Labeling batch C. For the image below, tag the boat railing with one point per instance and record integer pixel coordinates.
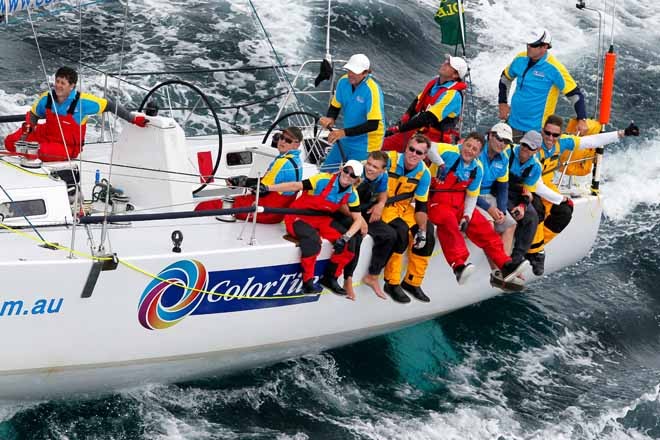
(294, 96)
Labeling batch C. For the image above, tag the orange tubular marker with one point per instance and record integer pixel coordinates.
(608, 87)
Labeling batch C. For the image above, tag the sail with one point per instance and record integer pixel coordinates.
(9, 7)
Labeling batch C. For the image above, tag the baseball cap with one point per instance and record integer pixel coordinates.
(541, 37)
(356, 166)
(358, 63)
(532, 139)
(459, 65)
(503, 131)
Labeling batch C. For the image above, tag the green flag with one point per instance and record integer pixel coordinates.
(448, 19)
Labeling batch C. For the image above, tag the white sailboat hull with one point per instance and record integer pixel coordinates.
(57, 343)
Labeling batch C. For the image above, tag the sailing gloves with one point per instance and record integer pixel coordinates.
(263, 189)
(240, 181)
(631, 130)
(140, 120)
(340, 243)
(420, 239)
(463, 225)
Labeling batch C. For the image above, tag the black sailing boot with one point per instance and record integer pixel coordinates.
(329, 280)
(396, 293)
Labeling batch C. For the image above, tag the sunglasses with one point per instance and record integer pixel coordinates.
(288, 140)
(349, 171)
(499, 139)
(536, 45)
(549, 133)
(416, 151)
(528, 147)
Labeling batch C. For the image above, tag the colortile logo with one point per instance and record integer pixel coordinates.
(186, 288)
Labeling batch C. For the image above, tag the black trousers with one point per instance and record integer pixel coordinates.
(524, 234)
(384, 238)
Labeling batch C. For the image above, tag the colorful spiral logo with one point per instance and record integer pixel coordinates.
(173, 296)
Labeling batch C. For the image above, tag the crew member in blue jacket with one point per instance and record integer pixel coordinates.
(540, 78)
(361, 99)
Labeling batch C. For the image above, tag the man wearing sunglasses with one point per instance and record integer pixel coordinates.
(435, 111)
(327, 193)
(558, 207)
(286, 167)
(408, 191)
(453, 199)
(524, 175)
(361, 99)
(494, 191)
(540, 78)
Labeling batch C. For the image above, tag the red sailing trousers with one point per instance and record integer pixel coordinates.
(52, 137)
(309, 229)
(479, 231)
(446, 211)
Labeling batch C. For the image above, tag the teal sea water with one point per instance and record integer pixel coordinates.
(574, 357)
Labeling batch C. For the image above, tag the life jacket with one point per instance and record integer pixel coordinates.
(320, 202)
(442, 131)
(582, 159)
(549, 164)
(71, 133)
(450, 192)
(367, 192)
(516, 182)
(400, 190)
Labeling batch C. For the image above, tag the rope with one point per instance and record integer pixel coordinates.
(149, 274)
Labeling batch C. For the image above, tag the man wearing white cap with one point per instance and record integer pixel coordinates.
(361, 99)
(435, 110)
(328, 193)
(540, 77)
(494, 191)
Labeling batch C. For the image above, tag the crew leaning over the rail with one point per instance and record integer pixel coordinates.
(326, 193)
(408, 191)
(373, 196)
(361, 99)
(66, 111)
(494, 191)
(558, 207)
(435, 111)
(524, 175)
(454, 191)
(286, 167)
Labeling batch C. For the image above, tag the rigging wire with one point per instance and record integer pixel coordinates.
(50, 92)
(104, 230)
(279, 70)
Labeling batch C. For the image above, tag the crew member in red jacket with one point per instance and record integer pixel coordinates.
(454, 193)
(435, 111)
(327, 193)
(65, 110)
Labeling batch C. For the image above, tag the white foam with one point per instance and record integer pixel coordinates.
(630, 178)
